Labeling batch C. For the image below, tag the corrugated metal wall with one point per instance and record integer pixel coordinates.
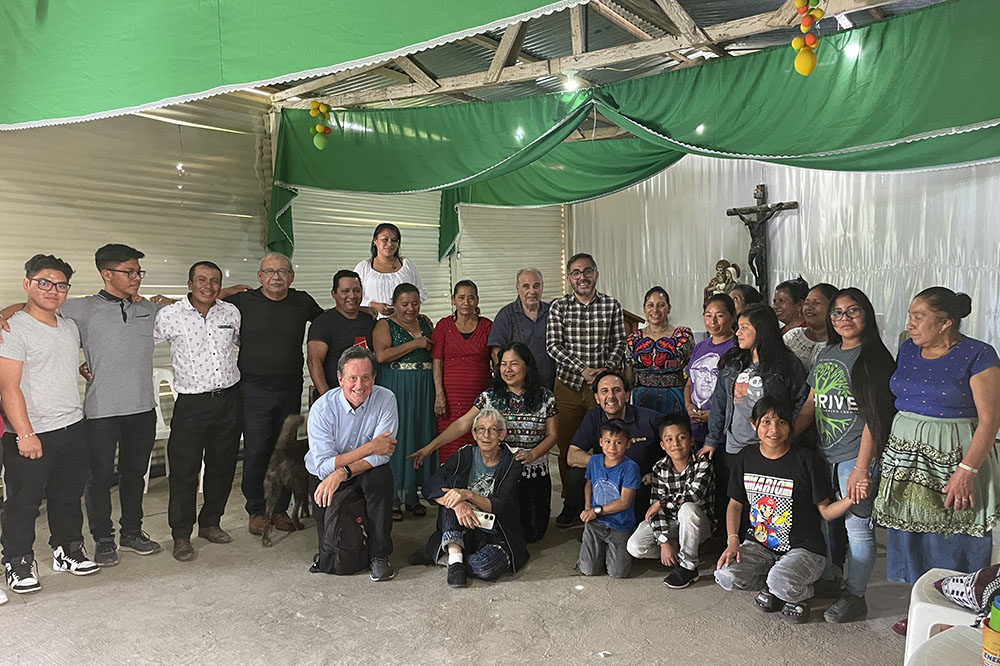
(178, 192)
(495, 243)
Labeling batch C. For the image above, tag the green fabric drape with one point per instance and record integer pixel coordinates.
(79, 60)
(908, 97)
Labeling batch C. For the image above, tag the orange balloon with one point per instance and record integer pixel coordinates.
(802, 10)
(811, 40)
(808, 20)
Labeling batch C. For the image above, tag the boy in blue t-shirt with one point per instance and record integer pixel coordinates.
(612, 480)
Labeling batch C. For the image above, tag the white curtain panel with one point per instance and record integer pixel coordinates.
(889, 234)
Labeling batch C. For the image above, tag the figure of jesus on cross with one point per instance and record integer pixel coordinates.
(755, 218)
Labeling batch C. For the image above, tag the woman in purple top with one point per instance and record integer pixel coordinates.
(703, 368)
(938, 493)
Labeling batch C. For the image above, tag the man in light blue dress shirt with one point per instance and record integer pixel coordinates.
(352, 433)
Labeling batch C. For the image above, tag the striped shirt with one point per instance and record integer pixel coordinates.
(585, 336)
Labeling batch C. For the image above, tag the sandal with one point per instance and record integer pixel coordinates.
(795, 613)
(419, 510)
(397, 514)
(767, 602)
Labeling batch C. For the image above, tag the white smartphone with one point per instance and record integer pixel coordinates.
(486, 520)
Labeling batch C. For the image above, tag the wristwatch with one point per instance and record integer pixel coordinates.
(598, 510)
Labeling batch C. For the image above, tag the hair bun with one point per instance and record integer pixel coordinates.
(964, 305)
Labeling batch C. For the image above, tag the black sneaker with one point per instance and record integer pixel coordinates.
(828, 588)
(680, 577)
(382, 569)
(73, 558)
(139, 543)
(22, 575)
(457, 576)
(847, 608)
(106, 553)
(570, 516)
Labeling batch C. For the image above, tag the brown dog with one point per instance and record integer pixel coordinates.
(287, 469)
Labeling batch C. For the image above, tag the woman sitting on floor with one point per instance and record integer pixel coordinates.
(530, 412)
(477, 480)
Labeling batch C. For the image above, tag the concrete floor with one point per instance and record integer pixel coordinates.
(243, 604)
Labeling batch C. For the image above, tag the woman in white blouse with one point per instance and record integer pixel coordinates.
(385, 270)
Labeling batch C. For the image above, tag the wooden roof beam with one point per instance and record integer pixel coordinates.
(620, 20)
(420, 76)
(322, 82)
(493, 45)
(507, 50)
(578, 28)
(768, 21)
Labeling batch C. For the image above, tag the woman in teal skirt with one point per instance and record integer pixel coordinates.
(402, 346)
(938, 492)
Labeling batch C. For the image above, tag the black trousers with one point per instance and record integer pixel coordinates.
(264, 412)
(204, 425)
(58, 476)
(576, 479)
(376, 486)
(535, 495)
(133, 436)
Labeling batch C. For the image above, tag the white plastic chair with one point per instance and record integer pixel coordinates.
(161, 376)
(930, 612)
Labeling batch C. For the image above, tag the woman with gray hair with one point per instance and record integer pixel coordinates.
(478, 525)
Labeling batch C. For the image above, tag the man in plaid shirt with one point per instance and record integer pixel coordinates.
(585, 336)
(680, 517)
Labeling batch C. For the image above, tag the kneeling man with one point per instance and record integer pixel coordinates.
(351, 437)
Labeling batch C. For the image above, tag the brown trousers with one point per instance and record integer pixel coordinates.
(572, 406)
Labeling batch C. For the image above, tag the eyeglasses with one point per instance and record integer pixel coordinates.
(850, 313)
(271, 272)
(46, 285)
(131, 274)
(483, 430)
(586, 272)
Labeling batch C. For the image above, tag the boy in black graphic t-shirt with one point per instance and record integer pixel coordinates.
(786, 493)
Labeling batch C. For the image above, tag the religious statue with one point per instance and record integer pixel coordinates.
(755, 218)
(726, 277)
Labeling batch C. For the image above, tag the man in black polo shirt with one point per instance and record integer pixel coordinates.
(611, 391)
(336, 330)
(273, 323)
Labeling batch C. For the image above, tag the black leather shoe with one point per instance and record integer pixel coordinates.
(184, 551)
(214, 535)
(457, 576)
(570, 516)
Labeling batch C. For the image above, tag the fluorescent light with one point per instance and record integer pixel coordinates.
(700, 129)
(571, 83)
(852, 50)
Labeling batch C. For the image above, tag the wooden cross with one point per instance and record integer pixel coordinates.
(755, 218)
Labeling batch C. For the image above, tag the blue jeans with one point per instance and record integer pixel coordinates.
(860, 531)
(483, 553)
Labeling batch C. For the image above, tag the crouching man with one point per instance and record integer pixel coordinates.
(351, 437)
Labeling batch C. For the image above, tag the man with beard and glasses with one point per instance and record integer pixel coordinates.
(585, 336)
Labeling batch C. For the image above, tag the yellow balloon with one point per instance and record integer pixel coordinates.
(798, 43)
(315, 112)
(805, 28)
(818, 13)
(313, 105)
(323, 108)
(320, 128)
(801, 3)
(805, 62)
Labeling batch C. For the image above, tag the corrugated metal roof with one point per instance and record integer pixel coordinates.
(549, 37)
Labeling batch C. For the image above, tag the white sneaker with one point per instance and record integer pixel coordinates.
(22, 575)
(74, 560)
(3, 597)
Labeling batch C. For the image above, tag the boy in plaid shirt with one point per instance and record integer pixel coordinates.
(680, 517)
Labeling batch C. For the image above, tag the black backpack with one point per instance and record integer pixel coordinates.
(345, 536)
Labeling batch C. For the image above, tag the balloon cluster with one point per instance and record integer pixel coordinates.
(805, 61)
(319, 130)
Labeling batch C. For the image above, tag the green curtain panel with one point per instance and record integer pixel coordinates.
(904, 93)
(65, 61)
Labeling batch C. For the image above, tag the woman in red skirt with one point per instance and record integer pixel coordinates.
(461, 361)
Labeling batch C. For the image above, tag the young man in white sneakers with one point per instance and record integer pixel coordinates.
(44, 445)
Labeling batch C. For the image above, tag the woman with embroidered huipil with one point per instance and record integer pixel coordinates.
(402, 347)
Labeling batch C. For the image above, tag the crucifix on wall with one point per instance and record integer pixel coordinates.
(755, 218)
